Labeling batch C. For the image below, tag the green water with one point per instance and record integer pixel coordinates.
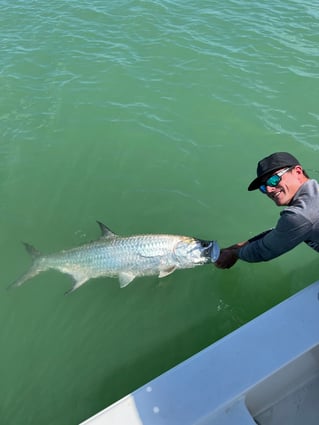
(149, 116)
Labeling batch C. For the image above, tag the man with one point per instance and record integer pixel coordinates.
(282, 179)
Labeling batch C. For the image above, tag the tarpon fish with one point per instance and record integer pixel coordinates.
(124, 257)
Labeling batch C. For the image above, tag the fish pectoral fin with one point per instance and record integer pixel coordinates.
(167, 271)
(126, 278)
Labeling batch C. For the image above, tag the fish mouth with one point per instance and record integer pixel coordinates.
(214, 252)
(211, 250)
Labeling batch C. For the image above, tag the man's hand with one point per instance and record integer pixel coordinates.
(227, 258)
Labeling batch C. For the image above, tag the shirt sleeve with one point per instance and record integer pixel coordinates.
(292, 229)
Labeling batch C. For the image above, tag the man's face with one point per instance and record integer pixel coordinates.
(285, 190)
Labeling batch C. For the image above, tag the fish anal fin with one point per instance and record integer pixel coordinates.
(126, 278)
(79, 280)
(106, 232)
(167, 271)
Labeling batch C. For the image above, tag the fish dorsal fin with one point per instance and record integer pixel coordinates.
(125, 278)
(106, 232)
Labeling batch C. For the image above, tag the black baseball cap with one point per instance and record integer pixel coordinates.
(271, 163)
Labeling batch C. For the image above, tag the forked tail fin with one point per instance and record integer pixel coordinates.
(34, 269)
(32, 251)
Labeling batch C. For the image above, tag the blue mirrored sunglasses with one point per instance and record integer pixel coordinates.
(274, 180)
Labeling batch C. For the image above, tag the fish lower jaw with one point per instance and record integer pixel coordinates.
(215, 252)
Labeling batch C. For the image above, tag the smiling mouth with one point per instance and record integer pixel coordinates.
(276, 195)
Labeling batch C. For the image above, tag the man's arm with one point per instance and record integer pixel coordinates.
(229, 256)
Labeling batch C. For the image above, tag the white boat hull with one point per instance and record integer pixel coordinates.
(265, 372)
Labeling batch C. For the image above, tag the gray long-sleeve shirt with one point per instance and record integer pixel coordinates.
(298, 222)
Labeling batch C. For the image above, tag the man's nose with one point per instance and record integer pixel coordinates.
(270, 189)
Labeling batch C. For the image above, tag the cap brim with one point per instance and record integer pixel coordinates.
(255, 184)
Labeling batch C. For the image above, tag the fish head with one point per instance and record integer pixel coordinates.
(197, 251)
